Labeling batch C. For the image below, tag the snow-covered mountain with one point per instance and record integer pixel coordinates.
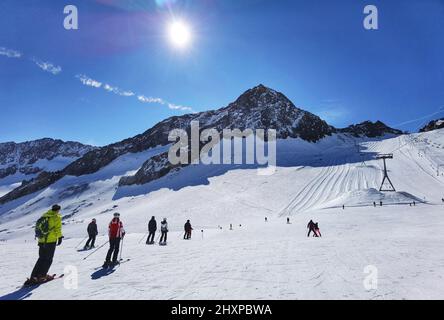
(257, 108)
(23, 161)
(433, 125)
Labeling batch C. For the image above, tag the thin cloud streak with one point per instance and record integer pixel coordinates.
(10, 53)
(90, 82)
(48, 66)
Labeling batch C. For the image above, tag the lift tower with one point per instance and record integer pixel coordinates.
(384, 157)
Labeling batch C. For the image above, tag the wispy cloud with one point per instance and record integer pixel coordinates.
(10, 53)
(87, 81)
(90, 82)
(48, 66)
(118, 91)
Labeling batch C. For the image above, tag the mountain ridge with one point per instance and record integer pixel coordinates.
(257, 108)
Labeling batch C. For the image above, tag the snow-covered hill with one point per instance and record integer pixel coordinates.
(314, 179)
(256, 260)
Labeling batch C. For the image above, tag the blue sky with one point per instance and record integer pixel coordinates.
(315, 52)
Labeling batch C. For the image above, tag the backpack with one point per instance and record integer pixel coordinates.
(42, 227)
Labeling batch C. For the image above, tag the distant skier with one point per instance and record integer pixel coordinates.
(343, 207)
(48, 230)
(374, 204)
(266, 219)
(317, 231)
(116, 233)
(152, 227)
(311, 227)
(92, 234)
(414, 203)
(288, 220)
(188, 229)
(164, 231)
(380, 203)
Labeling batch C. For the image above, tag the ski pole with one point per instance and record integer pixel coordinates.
(121, 250)
(81, 242)
(143, 237)
(96, 250)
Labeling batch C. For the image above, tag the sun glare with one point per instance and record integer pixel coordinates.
(180, 34)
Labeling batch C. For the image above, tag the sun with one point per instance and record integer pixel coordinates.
(179, 34)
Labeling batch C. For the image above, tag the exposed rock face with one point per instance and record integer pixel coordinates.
(370, 129)
(433, 125)
(154, 168)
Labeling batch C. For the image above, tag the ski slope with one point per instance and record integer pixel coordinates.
(256, 260)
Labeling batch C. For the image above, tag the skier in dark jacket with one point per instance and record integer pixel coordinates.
(188, 229)
(92, 233)
(311, 227)
(152, 227)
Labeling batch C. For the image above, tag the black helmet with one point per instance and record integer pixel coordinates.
(56, 207)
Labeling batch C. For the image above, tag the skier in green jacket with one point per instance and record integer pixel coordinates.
(49, 233)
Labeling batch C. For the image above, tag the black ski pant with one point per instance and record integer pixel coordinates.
(46, 254)
(187, 234)
(151, 237)
(92, 240)
(163, 237)
(114, 245)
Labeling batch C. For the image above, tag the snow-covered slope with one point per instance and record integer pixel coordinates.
(256, 260)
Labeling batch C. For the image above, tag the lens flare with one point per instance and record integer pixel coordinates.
(180, 34)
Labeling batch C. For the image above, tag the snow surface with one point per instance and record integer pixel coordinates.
(257, 260)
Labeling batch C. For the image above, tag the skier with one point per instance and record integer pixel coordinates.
(188, 228)
(317, 232)
(116, 233)
(374, 204)
(92, 234)
(48, 230)
(414, 203)
(311, 227)
(288, 220)
(152, 227)
(164, 231)
(380, 203)
(266, 219)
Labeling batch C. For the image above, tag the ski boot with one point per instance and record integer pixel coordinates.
(31, 282)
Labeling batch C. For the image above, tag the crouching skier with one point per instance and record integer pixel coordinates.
(48, 230)
(116, 233)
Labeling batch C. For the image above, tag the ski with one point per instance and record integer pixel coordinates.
(54, 277)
